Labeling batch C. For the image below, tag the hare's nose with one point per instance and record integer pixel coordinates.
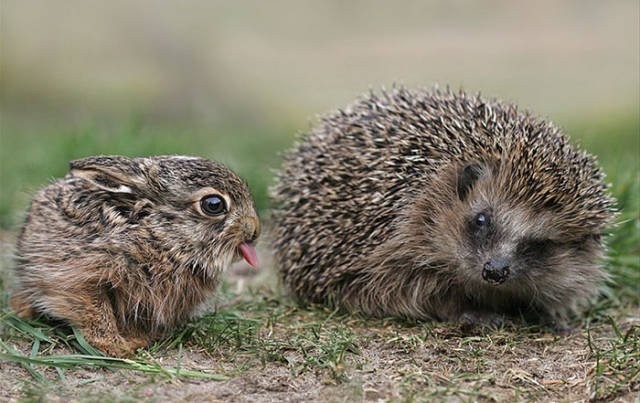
(251, 229)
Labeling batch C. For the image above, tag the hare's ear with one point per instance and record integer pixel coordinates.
(113, 174)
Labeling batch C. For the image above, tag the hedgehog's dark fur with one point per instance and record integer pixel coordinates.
(378, 211)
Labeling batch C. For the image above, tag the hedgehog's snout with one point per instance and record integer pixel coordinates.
(496, 270)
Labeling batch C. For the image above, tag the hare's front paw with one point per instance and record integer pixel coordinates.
(118, 346)
(134, 343)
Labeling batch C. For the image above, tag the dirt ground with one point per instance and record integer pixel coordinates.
(387, 360)
(492, 367)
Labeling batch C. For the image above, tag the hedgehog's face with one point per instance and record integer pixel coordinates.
(503, 245)
(494, 243)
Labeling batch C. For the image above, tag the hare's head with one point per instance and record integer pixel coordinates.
(196, 213)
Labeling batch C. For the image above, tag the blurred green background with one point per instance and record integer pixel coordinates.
(237, 81)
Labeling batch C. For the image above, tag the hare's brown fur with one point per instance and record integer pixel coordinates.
(434, 204)
(119, 248)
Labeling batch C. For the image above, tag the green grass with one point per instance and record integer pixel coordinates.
(617, 145)
(243, 335)
(258, 329)
(46, 338)
(617, 362)
(30, 157)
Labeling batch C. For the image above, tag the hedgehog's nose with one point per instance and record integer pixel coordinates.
(496, 270)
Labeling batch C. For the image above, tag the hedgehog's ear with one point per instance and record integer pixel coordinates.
(467, 177)
(113, 174)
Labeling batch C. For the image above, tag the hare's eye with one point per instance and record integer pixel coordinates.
(213, 205)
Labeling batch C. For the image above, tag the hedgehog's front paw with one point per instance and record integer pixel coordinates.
(561, 328)
(471, 320)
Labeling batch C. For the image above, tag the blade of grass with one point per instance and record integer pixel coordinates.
(25, 327)
(84, 346)
(74, 360)
(11, 351)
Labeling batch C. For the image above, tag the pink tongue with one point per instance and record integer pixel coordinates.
(249, 254)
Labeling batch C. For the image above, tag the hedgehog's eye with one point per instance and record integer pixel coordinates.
(213, 205)
(535, 248)
(481, 220)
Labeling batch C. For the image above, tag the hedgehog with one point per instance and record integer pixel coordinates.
(439, 205)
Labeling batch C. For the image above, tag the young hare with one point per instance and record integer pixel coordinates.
(126, 249)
